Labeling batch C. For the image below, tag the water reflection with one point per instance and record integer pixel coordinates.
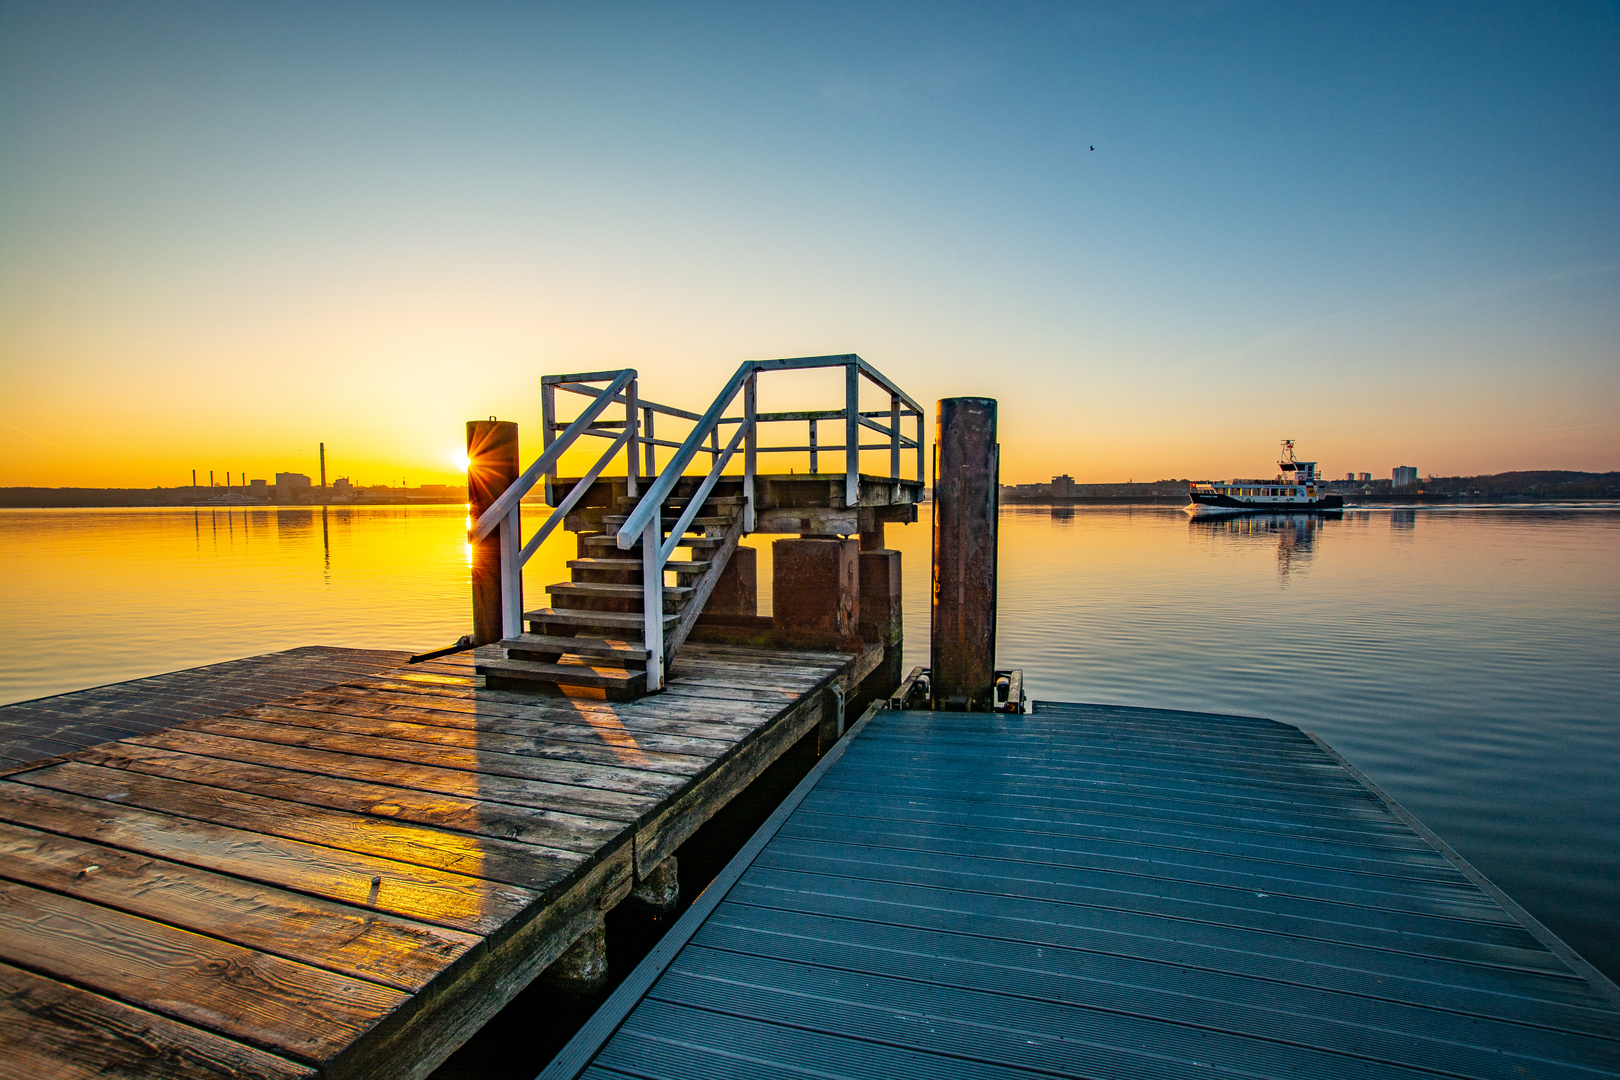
(1403, 519)
(1295, 534)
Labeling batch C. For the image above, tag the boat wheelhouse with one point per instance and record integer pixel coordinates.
(1297, 488)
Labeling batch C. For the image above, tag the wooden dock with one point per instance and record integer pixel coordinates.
(63, 723)
(350, 881)
(1091, 891)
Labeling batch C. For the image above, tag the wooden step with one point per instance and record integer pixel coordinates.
(679, 566)
(593, 620)
(675, 596)
(678, 505)
(610, 540)
(613, 522)
(512, 674)
(629, 652)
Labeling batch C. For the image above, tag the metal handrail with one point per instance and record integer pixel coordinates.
(503, 513)
(635, 435)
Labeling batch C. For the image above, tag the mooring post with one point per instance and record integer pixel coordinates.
(492, 453)
(966, 498)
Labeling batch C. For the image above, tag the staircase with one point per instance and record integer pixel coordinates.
(597, 632)
(593, 634)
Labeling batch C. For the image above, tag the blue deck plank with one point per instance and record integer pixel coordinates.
(1099, 891)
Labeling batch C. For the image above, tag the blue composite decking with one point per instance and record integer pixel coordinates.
(1097, 891)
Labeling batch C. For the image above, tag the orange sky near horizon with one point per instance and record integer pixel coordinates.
(228, 235)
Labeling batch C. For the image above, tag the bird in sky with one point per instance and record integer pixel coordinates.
(1093, 148)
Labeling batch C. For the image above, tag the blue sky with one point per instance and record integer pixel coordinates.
(1388, 231)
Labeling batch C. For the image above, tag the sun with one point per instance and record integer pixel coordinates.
(462, 461)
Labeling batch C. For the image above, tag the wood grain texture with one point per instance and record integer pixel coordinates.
(352, 941)
(650, 733)
(568, 832)
(291, 1008)
(641, 714)
(613, 805)
(528, 865)
(46, 727)
(680, 757)
(585, 774)
(402, 843)
(52, 1031)
(457, 901)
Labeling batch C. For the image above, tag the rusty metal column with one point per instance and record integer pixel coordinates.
(966, 498)
(492, 452)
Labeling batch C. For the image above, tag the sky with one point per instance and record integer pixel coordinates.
(1163, 236)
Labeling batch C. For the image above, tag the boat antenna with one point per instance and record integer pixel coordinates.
(1288, 449)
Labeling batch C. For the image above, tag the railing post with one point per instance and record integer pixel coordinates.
(632, 466)
(852, 435)
(652, 451)
(750, 446)
(548, 422)
(511, 576)
(492, 455)
(922, 459)
(894, 436)
(652, 600)
(812, 446)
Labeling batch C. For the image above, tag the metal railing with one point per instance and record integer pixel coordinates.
(503, 513)
(635, 433)
(645, 521)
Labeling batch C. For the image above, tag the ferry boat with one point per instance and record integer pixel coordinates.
(1297, 488)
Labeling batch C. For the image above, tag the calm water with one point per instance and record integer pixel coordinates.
(1464, 658)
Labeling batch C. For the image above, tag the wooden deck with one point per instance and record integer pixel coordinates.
(53, 726)
(1089, 891)
(350, 881)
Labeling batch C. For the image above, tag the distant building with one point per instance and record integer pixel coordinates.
(1403, 476)
(341, 486)
(1366, 478)
(1063, 487)
(289, 484)
(259, 489)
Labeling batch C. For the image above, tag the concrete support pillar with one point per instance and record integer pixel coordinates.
(816, 592)
(492, 449)
(661, 889)
(882, 617)
(966, 500)
(583, 968)
(737, 591)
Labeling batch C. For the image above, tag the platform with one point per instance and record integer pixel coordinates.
(62, 723)
(1091, 891)
(350, 881)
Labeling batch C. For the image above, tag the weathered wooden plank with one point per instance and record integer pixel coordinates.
(599, 802)
(526, 865)
(457, 901)
(618, 748)
(294, 1009)
(579, 773)
(727, 696)
(648, 710)
(52, 1031)
(683, 816)
(483, 982)
(362, 944)
(650, 733)
(569, 832)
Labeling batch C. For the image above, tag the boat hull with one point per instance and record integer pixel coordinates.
(1205, 505)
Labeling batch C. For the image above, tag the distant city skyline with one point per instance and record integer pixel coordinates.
(230, 232)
